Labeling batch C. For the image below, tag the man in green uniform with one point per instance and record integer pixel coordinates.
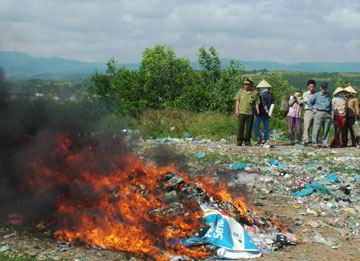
(247, 102)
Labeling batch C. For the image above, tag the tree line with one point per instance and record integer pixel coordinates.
(167, 81)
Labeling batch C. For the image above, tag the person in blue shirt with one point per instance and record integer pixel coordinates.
(321, 104)
(266, 108)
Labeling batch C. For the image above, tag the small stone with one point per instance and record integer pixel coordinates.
(31, 253)
(298, 221)
(312, 223)
(41, 257)
(312, 212)
(218, 162)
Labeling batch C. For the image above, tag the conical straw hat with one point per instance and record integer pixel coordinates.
(338, 89)
(350, 89)
(263, 84)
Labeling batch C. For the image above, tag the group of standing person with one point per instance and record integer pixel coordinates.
(320, 109)
(249, 103)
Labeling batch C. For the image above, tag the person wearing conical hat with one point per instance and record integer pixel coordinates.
(266, 108)
(247, 103)
(352, 113)
(339, 112)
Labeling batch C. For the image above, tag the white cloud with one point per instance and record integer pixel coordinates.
(94, 30)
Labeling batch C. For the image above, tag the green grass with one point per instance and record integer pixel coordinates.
(9, 257)
(173, 123)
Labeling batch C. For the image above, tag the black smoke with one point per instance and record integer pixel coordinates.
(24, 123)
(30, 128)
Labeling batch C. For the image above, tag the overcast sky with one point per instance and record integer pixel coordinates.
(286, 31)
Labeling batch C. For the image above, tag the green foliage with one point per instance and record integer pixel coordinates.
(210, 65)
(165, 81)
(173, 123)
(163, 76)
(340, 82)
(10, 257)
(114, 123)
(279, 89)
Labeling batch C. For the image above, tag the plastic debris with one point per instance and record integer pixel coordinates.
(200, 155)
(320, 188)
(332, 178)
(303, 193)
(4, 248)
(237, 166)
(187, 135)
(227, 234)
(292, 153)
(162, 140)
(318, 238)
(349, 211)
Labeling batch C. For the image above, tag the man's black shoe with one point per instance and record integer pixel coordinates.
(239, 144)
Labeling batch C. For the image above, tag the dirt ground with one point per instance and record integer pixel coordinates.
(39, 244)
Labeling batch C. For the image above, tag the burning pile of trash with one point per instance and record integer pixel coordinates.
(91, 190)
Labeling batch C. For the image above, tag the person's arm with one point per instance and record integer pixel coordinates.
(272, 106)
(355, 104)
(291, 100)
(300, 101)
(331, 107)
(237, 99)
(237, 108)
(271, 109)
(306, 98)
(311, 102)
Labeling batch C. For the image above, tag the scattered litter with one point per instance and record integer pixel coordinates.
(332, 178)
(4, 248)
(10, 235)
(318, 238)
(237, 166)
(200, 155)
(227, 234)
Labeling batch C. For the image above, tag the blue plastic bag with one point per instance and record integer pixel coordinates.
(200, 155)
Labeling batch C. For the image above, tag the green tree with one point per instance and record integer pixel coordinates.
(210, 66)
(128, 93)
(222, 96)
(340, 82)
(164, 76)
(279, 89)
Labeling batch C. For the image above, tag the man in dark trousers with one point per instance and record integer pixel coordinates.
(247, 103)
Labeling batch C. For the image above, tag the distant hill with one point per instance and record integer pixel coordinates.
(23, 66)
(19, 65)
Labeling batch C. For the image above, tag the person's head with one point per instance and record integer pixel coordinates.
(339, 93)
(323, 87)
(297, 92)
(263, 86)
(350, 91)
(311, 85)
(247, 84)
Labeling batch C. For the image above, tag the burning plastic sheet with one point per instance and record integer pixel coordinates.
(228, 235)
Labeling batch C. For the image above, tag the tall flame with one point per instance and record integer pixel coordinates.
(110, 199)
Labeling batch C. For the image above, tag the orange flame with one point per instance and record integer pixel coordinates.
(109, 199)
